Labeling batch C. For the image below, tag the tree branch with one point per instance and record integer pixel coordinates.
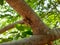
(34, 40)
(55, 33)
(10, 26)
(29, 15)
(37, 39)
(33, 20)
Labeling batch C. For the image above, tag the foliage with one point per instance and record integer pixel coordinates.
(1, 2)
(47, 10)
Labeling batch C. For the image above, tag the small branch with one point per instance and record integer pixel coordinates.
(10, 26)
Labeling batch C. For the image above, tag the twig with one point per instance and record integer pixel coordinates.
(10, 26)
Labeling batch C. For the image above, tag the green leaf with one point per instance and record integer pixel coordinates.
(17, 36)
(1, 2)
(28, 32)
(20, 27)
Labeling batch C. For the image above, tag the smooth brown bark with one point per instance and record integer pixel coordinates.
(50, 43)
(29, 15)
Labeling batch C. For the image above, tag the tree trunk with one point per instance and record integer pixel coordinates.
(29, 16)
(38, 27)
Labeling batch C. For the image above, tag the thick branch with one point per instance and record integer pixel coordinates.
(10, 26)
(37, 39)
(29, 15)
(34, 40)
(55, 33)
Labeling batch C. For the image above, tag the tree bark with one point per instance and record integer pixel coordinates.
(38, 27)
(36, 39)
(29, 15)
(33, 40)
